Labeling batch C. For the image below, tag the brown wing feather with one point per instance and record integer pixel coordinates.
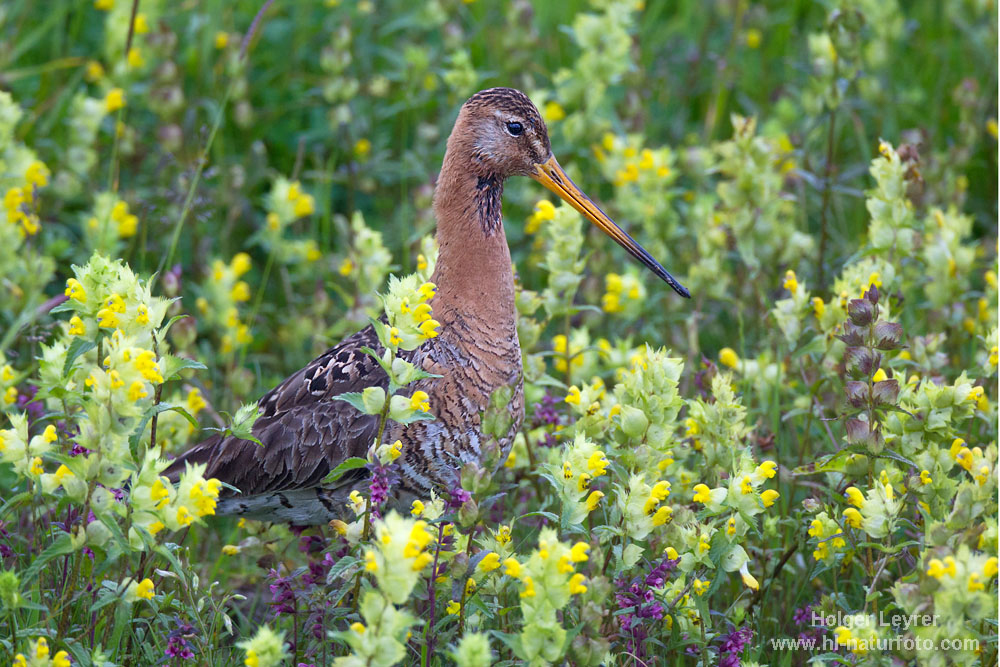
(304, 432)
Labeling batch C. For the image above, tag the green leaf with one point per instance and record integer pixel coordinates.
(162, 333)
(60, 547)
(76, 348)
(416, 416)
(497, 417)
(352, 463)
(830, 463)
(512, 641)
(170, 366)
(133, 440)
(352, 397)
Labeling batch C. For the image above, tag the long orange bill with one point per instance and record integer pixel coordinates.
(552, 176)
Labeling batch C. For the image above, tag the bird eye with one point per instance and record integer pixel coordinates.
(515, 128)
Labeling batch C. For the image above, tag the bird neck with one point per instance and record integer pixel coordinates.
(473, 271)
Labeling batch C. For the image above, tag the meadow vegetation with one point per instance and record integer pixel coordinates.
(198, 198)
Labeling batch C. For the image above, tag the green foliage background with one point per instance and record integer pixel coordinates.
(228, 105)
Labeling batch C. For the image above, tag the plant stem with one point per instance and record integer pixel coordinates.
(828, 172)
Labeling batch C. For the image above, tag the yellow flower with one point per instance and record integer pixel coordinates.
(990, 568)
(75, 291)
(746, 486)
(76, 326)
(104, 5)
(419, 401)
(753, 38)
(660, 490)
(453, 607)
(115, 304)
(576, 586)
(94, 71)
(503, 535)
(304, 205)
(583, 482)
(728, 357)
(240, 292)
(925, 477)
(512, 568)
(596, 463)
(134, 58)
(114, 100)
(593, 500)
(819, 307)
(230, 550)
(417, 508)
(42, 648)
(700, 586)
(573, 397)
(221, 39)
(490, 562)
(159, 493)
(10, 396)
(108, 319)
(964, 458)
(141, 24)
(61, 659)
(853, 517)
(428, 329)
(145, 589)
(358, 627)
(767, 469)
(184, 516)
(769, 496)
(37, 174)
(937, 568)
(371, 565)
(816, 528)
(646, 160)
(855, 497)
(702, 494)
(529, 588)
(975, 584)
(511, 460)
(362, 147)
(791, 282)
(253, 661)
(749, 580)
(62, 472)
(142, 314)
(553, 112)
(36, 466)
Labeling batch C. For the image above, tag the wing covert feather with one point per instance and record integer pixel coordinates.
(304, 432)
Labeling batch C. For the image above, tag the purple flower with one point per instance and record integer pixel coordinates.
(77, 450)
(638, 597)
(281, 593)
(548, 413)
(26, 403)
(178, 645)
(458, 498)
(733, 645)
(383, 477)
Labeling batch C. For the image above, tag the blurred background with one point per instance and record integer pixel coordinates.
(272, 163)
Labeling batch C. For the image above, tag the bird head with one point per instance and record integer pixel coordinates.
(504, 135)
